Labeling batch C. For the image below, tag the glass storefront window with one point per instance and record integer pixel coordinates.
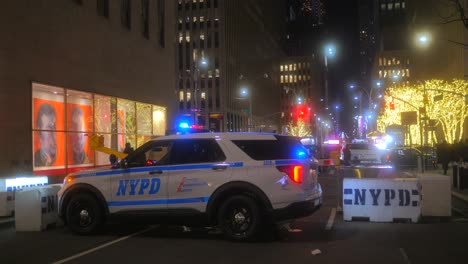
(63, 121)
(48, 125)
(103, 113)
(125, 116)
(159, 120)
(144, 119)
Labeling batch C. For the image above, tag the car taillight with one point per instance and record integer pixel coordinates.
(294, 172)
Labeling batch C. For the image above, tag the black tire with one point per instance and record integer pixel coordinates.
(84, 215)
(239, 217)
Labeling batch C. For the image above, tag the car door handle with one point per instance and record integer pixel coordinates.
(156, 172)
(219, 168)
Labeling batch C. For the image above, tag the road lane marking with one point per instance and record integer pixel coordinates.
(103, 246)
(331, 219)
(405, 257)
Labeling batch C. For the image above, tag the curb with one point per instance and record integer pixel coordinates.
(460, 196)
(7, 221)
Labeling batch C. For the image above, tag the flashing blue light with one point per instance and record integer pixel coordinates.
(184, 125)
(300, 153)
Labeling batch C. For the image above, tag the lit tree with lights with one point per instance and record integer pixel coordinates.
(444, 103)
(299, 129)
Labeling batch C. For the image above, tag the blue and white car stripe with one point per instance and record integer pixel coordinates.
(160, 201)
(161, 168)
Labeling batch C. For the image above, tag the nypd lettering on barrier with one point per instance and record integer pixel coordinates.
(14, 188)
(138, 187)
(404, 196)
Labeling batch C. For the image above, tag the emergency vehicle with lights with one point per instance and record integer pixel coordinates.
(239, 182)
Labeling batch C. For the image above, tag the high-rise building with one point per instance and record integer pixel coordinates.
(223, 46)
(302, 70)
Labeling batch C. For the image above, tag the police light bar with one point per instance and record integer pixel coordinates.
(184, 125)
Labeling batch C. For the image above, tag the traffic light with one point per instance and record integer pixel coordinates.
(302, 112)
(392, 104)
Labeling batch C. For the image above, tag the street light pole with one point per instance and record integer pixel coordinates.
(250, 123)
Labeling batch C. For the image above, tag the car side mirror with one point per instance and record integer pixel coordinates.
(124, 163)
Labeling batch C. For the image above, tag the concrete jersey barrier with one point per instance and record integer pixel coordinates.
(381, 200)
(36, 208)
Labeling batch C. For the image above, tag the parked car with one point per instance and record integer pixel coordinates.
(404, 157)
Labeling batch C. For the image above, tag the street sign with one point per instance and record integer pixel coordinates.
(409, 118)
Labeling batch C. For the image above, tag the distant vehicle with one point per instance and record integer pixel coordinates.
(430, 156)
(404, 157)
(363, 153)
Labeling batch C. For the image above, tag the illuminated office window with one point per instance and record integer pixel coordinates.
(282, 79)
(181, 96)
(295, 66)
(281, 68)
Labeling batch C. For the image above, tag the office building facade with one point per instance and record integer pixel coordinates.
(70, 69)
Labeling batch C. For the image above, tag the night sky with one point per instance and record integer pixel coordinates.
(342, 27)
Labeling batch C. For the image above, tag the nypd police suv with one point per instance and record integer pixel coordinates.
(239, 182)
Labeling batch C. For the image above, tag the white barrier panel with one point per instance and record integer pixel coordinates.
(7, 203)
(381, 200)
(36, 208)
(436, 195)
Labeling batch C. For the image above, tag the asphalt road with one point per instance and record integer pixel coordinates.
(320, 238)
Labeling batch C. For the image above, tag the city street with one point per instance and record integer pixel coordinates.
(319, 238)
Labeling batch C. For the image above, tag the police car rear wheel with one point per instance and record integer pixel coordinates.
(239, 218)
(84, 215)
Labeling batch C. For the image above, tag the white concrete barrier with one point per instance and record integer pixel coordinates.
(7, 203)
(36, 208)
(381, 200)
(436, 195)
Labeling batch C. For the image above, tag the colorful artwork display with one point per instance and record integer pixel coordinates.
(63, 119)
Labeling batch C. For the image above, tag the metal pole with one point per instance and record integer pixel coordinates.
(195, 87)
(326, 81)
(250, 112)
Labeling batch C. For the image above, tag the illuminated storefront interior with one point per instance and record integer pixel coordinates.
(63, 119)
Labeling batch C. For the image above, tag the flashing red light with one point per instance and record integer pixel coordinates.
(294, 172)
(302, 112)
(197, 127)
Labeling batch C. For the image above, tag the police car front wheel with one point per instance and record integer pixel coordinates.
(239, 218)
(84, 215)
